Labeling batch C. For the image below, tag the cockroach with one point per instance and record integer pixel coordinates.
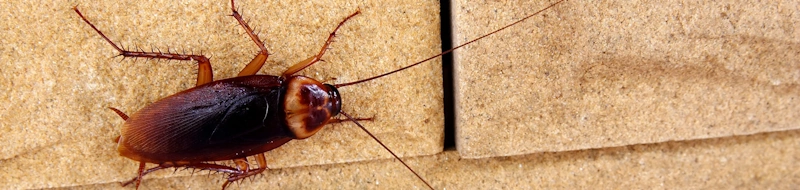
(235, 118)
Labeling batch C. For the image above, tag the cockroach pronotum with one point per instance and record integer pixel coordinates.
(235, 118)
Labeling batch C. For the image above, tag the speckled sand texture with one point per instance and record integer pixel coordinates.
(592, 74)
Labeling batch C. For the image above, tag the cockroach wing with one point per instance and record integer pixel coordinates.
(221, 120)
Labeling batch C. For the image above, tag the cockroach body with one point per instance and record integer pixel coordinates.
(228, 119)
(232, 119)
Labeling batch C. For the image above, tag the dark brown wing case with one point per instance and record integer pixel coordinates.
(221, 120)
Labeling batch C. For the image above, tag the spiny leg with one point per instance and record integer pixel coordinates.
(204, 73)
(241, 163)
(138, 178)
(201, 166)
(310, 61)
(337, 120)
(258, 61)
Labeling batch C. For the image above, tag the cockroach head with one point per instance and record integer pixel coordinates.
(309, 105)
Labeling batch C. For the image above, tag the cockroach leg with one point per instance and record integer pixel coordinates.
(310, 61)
(337, 120)
(209, 167)
(204, 73)
(242, 164)
(258, 61)
(200, 166)
(138, 178)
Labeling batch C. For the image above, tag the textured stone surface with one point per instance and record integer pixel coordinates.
(58, 77)
(591, 74)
